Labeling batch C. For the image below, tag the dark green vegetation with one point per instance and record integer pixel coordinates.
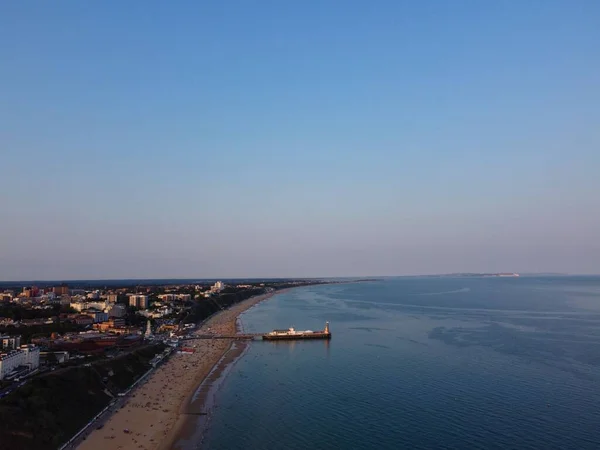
(18, 313)
(204, 307)
(50, 409)
(45, 330)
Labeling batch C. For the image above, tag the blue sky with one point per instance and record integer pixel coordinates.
(315, 138)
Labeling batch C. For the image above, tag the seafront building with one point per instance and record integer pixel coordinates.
(173, 297)
(19, 362)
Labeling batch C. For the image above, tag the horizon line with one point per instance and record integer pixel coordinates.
(63, 280)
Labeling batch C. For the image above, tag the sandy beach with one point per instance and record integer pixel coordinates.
(162, 410)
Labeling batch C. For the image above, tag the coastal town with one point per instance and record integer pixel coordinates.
(104, 341)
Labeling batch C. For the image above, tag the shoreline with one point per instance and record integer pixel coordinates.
(196, 410)
(175, 396)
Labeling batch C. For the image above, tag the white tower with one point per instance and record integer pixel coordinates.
(326, 330)
(148, 329)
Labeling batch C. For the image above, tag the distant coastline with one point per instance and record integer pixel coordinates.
(481, 275)
(131, 282)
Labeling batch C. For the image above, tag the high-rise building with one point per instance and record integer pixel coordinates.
(139, 301)
(30, 292)
(63, 289)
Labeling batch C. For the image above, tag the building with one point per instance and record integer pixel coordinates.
(10, 342)
(9, 362)
(173, 297)
(139, 301)
(93, 295)
(112, 298)
(83, 319)
(61, 356)
(117, 323)
(80, 306)
(30, 292)
(21, 361)
(157, 313)
(31, 356)
(117, 310)
(63, 289)
(40, 321)
(96, 315)
(111, 325)
(218, 286)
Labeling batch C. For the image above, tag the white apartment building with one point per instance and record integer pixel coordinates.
(32, 356)
(80, 306)
(218, 286)
(27, 356)
(9, 362)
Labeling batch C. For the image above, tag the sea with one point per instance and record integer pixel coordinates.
(419, 363)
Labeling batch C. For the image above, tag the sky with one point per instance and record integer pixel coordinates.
(147, 139)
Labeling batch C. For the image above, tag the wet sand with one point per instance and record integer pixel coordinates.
(169, 409)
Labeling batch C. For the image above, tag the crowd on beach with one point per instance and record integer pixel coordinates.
(147, 419)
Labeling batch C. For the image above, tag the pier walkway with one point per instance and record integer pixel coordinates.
(244, 336)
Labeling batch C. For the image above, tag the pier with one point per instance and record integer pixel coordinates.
(275, 335)
(242, 337)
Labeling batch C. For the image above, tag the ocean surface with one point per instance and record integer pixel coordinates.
(423, 363)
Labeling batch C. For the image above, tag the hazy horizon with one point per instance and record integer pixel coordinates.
(201, 140)
(349, 277)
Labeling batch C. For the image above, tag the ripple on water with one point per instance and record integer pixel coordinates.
(503, 370)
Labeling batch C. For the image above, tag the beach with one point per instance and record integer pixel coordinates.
(164, 409)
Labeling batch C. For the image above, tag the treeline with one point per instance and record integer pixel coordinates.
(45, 330)
(47, 411)
(205, 307)
(18, 312)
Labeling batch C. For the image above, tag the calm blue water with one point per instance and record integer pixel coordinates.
(421, 363)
